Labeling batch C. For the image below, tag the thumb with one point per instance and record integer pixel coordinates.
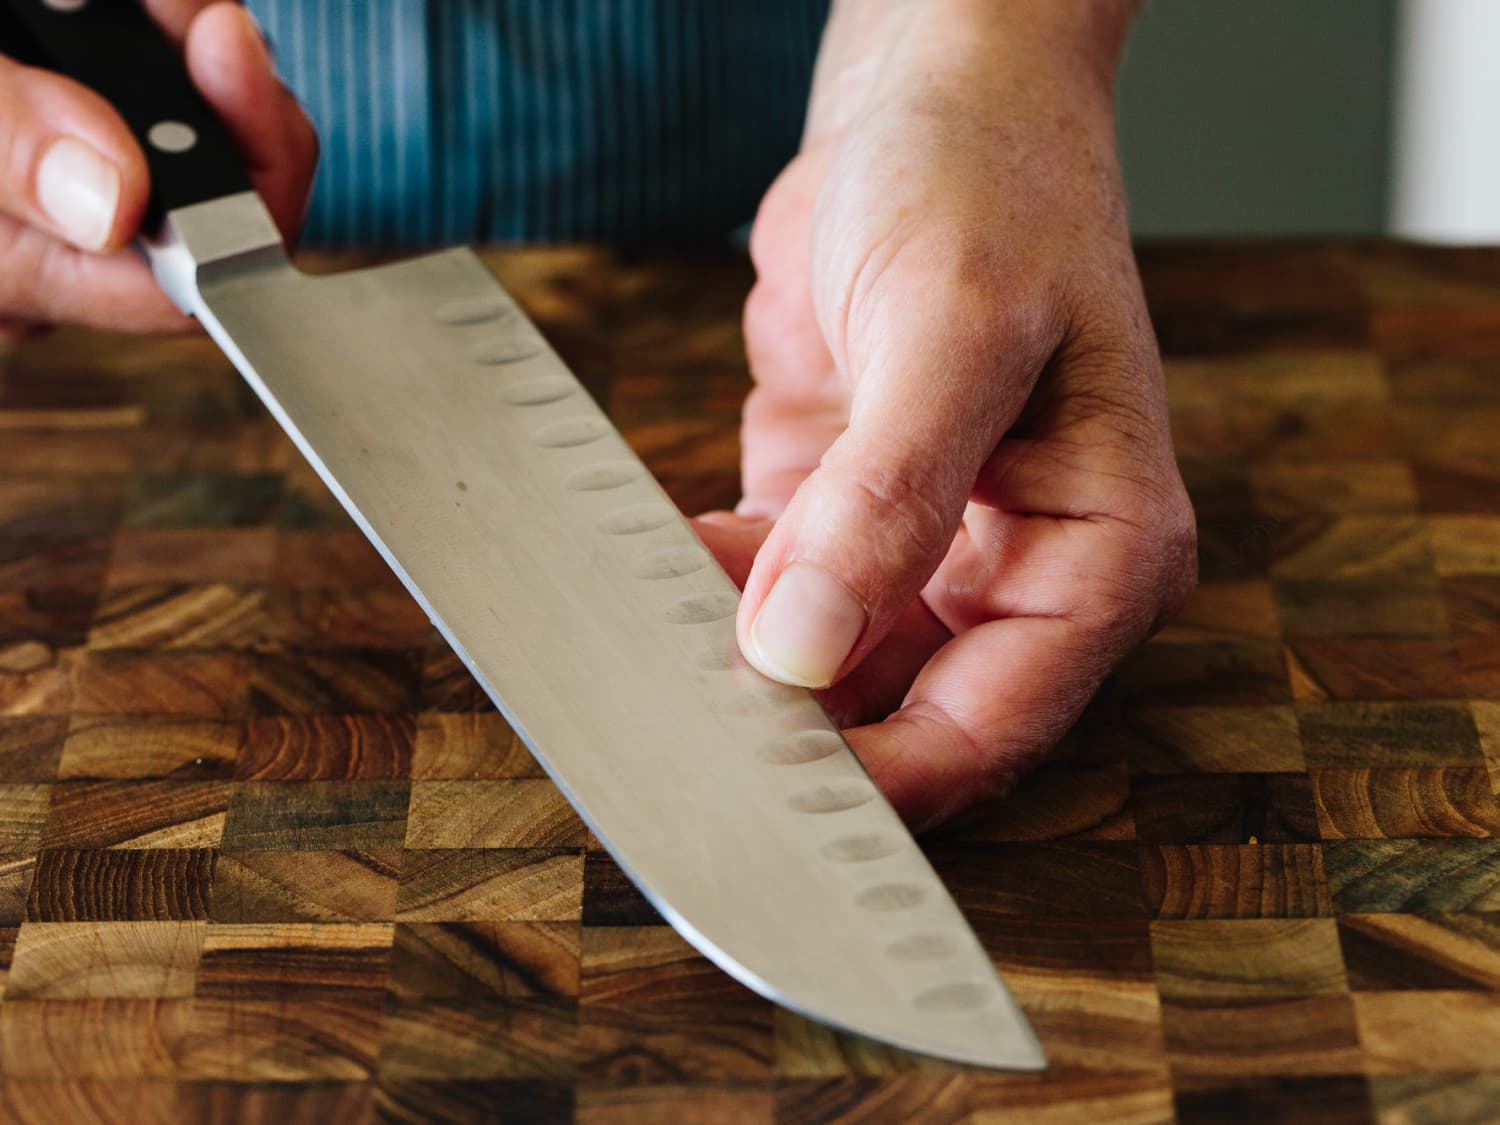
(860, 538)
(939, 369)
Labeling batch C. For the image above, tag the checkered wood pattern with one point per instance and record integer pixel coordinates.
(266, 852)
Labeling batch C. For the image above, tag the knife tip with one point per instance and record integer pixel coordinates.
(1007, 1043)
(1012, 1051)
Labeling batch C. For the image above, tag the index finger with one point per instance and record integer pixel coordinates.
(986, 707)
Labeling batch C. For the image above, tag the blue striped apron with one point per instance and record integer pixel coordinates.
(473, 120)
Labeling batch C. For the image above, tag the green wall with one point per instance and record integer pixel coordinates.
(1258, 117)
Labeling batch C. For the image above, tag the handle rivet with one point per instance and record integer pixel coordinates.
(66, 5)
(172, 136)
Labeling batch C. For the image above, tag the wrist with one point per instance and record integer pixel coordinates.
(874, 50)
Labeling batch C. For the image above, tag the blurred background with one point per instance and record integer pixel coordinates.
(490, 119)
(1314, 117)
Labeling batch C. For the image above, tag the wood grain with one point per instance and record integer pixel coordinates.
(123, 747)
(1067, 877)
(480, 1039)
(31, 748)
(1345, 488)
(1206, 675)
(266, 960)
(376, 617)
(113, 1102)
(1374, 669)
(1132, 1099)
(1188, 739)
(326, 748)
(713, 1105)
(447, 685)
(329, 560)
(459, 960)
(1473, 605)
(1236, 881)
(1224, 808)
(316, 1039)
(306, 886)
(1416, 876)
(79, 960)
(179, 616)
(1389, 734)
(332, 682)
(653, 1010)
(493, 814)
(1352, 548)
(268, 853)
(304, 1104)
(1066, 801)
(503, 1100)
(191, 557)
(1226, 611)
(1351, 609)
(1408, 1099)
(1226, 960)
(806, 1049)
(97, 1038)
(1428, 1032)
(23, 817)
(1317, 1100)
(1421, 951)
(1405, 803)
(1302, 1036)
(198, 500)
(136, 814)
(208, 684)
(317, 815)
(461, 885)
(15, 886)
(1465, 544)
(132, 885)
(610, 898)
(469, 746)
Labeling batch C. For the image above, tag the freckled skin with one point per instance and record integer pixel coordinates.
(958, 409)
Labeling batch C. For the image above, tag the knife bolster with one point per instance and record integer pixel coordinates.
(213, 241)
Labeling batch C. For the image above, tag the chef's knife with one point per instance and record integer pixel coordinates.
(563, 577)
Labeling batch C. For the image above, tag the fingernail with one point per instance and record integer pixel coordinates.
(805, 628)
(80, 191)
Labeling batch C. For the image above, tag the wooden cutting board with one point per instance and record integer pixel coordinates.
(266, 850)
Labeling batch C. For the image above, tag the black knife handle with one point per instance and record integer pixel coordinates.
(112, 47)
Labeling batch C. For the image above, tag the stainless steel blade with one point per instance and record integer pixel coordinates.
(579, 597)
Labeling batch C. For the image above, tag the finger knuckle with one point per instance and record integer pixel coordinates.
(53, 269)
(990, 763)
(1004, 304)
(1113, 392)
(1121, 608)
(900, 506)
(1154, 571)
(22, 270)
(1179, 538)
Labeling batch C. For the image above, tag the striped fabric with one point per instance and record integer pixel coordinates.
(470, 120)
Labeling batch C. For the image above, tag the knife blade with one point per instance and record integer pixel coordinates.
(566, 581)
